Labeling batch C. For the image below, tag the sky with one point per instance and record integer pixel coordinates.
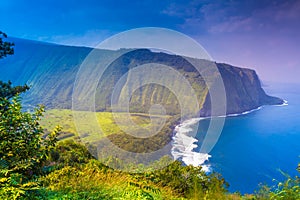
(263, 35)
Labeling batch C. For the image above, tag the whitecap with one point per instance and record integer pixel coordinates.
(250, 111)
(285, 103)
(183, 146)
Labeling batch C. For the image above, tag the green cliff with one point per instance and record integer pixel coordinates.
(51, 71)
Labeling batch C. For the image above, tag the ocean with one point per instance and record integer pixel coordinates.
(253, 148)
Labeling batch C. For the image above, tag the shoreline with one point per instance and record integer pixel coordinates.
(183, 145)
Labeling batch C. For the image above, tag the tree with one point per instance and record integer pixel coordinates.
(5, 47)
(24, 147)
(6, 89)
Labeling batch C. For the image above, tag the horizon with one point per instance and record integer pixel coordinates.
(259, 35)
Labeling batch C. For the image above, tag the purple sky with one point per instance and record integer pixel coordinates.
(263, 35)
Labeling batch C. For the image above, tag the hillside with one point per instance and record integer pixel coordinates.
(51, 71)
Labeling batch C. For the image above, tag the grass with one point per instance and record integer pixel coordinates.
(89, 181)
(92, 126)
(94, 181)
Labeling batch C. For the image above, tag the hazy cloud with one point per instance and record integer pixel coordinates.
(257, 34)
(91, 38)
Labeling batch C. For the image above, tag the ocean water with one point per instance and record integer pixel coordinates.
(253, 148)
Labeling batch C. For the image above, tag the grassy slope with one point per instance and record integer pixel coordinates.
(106, 123)
(90, 182)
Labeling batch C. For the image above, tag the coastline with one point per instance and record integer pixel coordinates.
(183, 145)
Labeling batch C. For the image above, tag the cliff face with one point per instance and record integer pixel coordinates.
(243, 91)
(51, 71)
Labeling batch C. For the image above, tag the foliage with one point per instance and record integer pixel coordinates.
(136, 190)
(288, 189)
(76, 175)
(191, 182)
(13, 187)
(23, 150)
(8, 91)
(89, 179)
(94, 179)
(97, 179)
(69, 153)
(22, 147)
(6, 48)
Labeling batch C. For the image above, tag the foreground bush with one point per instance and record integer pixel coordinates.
(288, 189)
(23, 149)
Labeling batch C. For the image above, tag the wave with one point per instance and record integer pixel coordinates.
(183, 144)
(285, 103)
(242, 113)
(250, 111)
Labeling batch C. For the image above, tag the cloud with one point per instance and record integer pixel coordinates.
(289, 10)
(219, 17)
(233, 24)
(262, 35)
(90, 38)
(183, 9)
(271, 18)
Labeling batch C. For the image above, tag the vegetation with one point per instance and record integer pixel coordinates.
(23, 151)
(34, 165)
(105, 123)
(76, 175)
(5, 47)
(41, 170)
(288, 189)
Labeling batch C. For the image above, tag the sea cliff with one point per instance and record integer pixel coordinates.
(51, 71)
